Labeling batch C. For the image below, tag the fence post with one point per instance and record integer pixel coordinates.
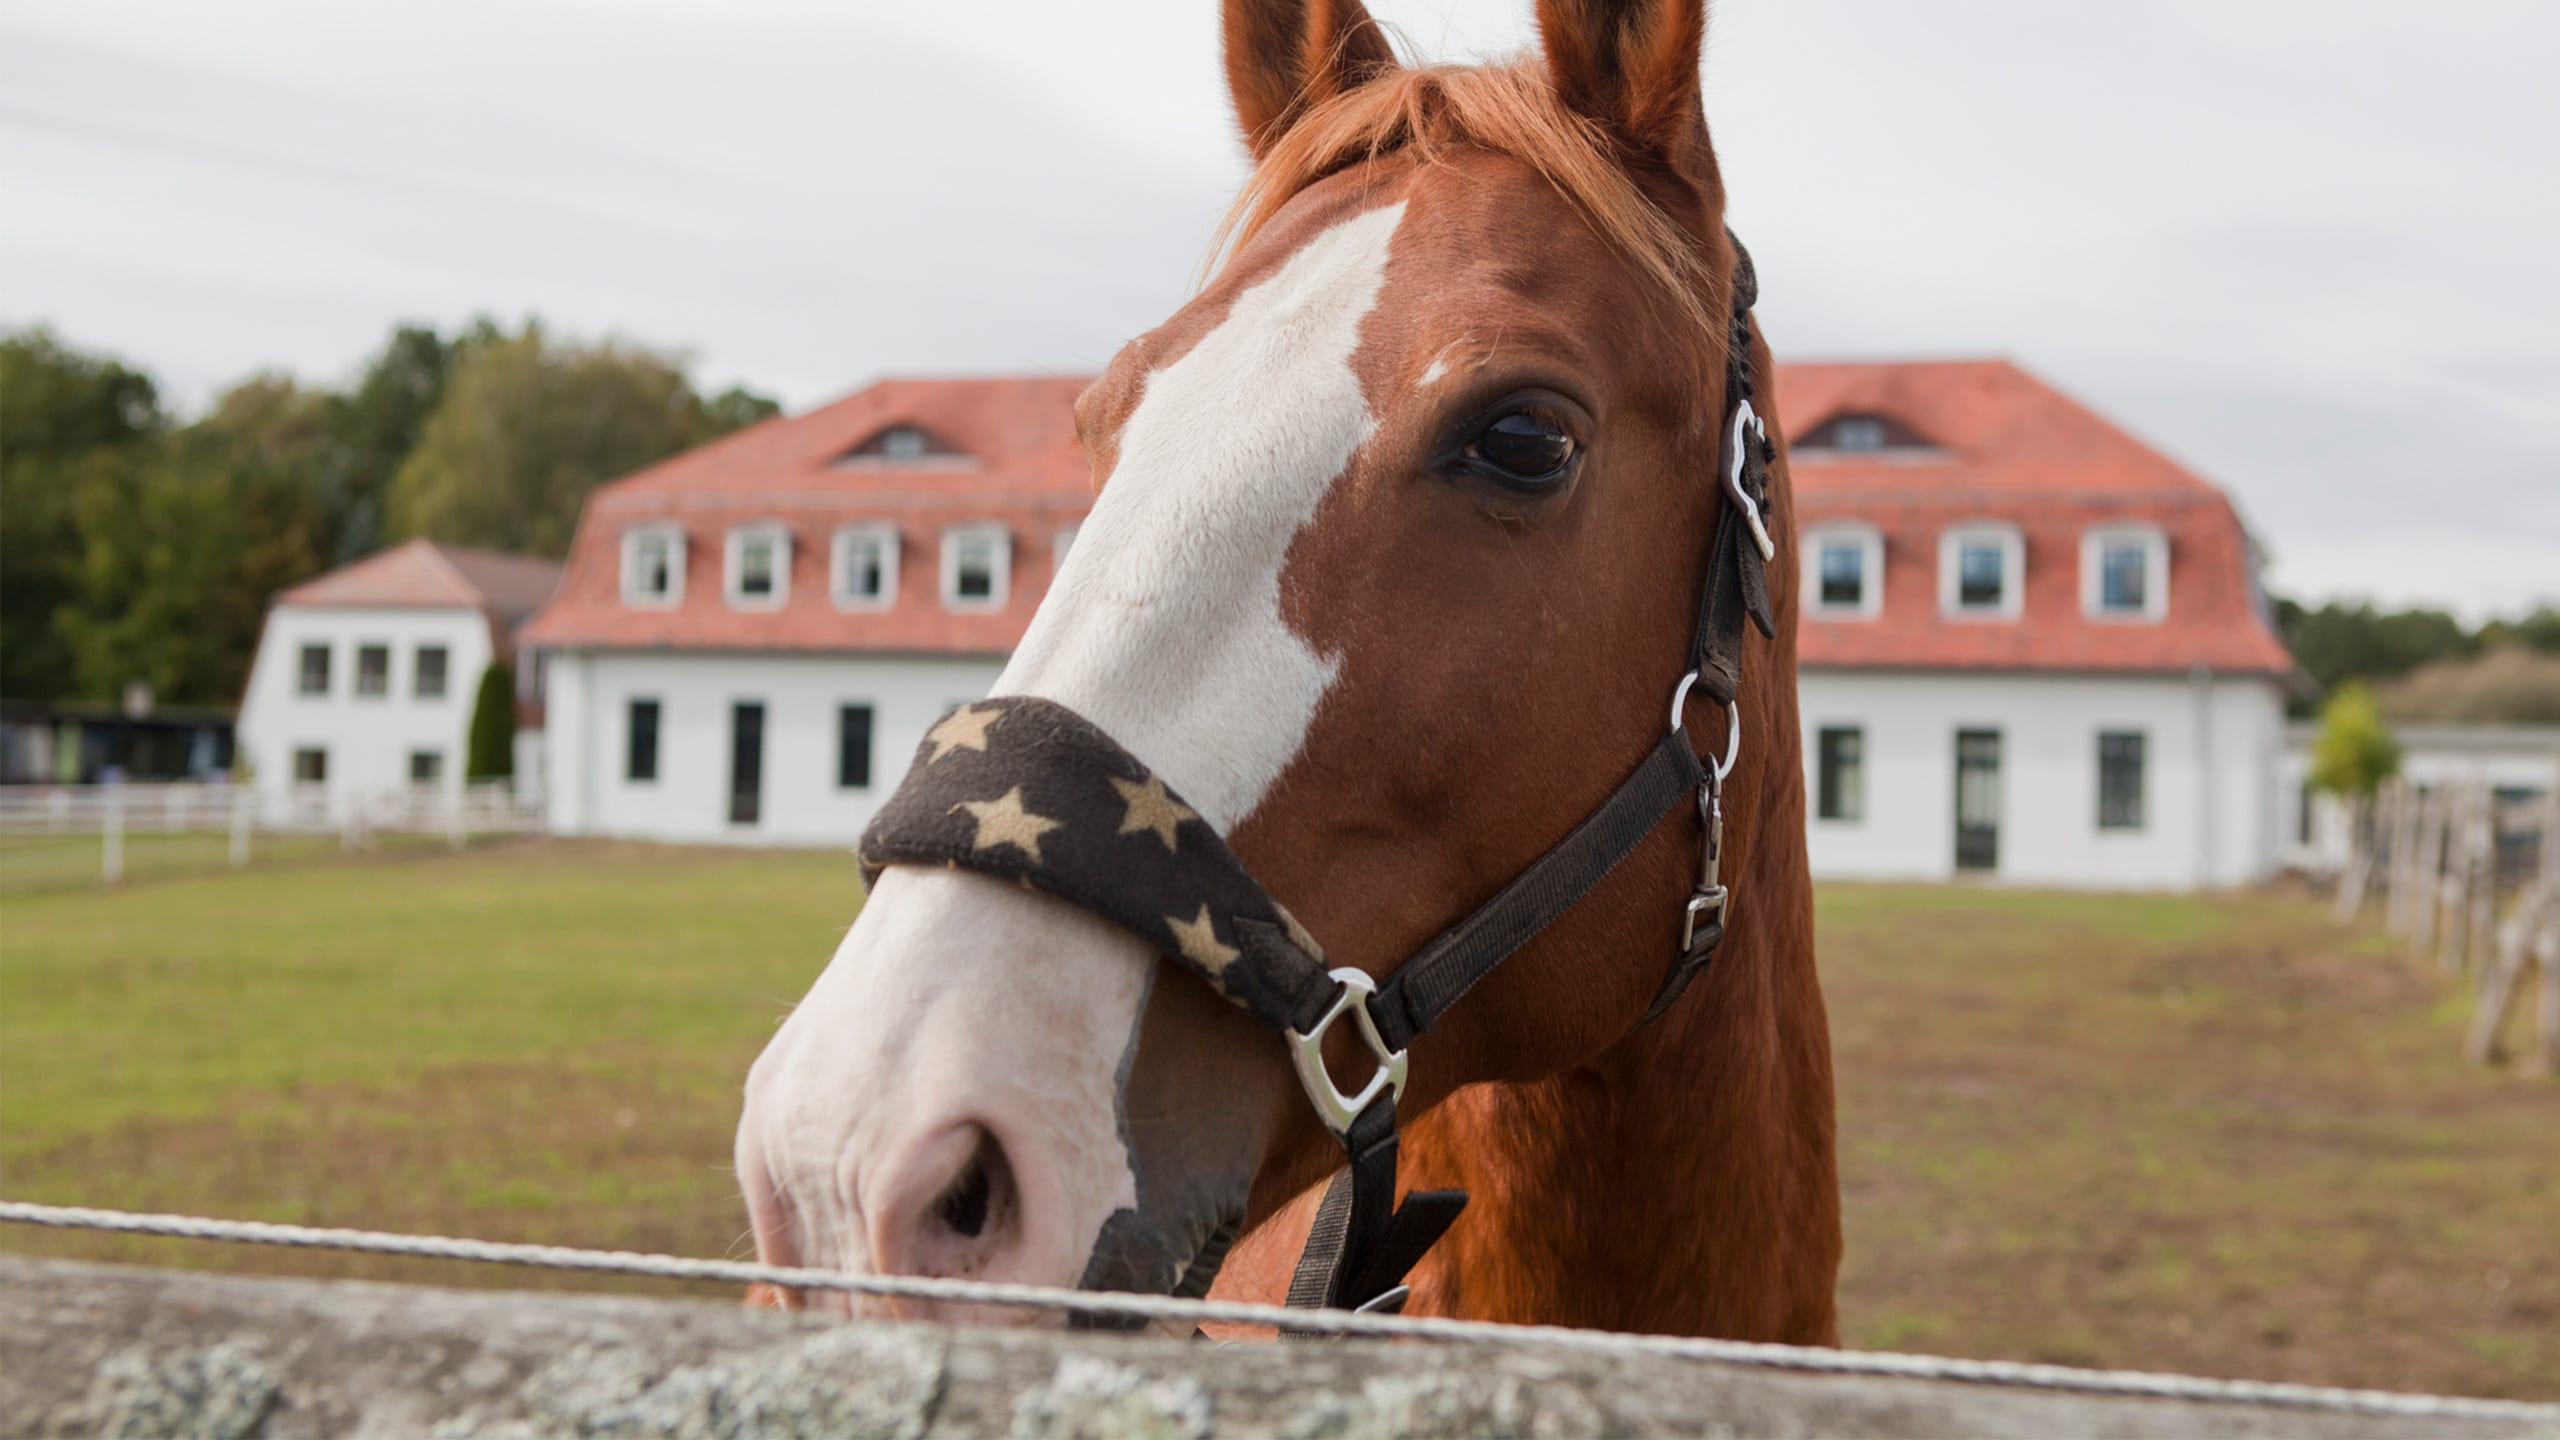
(111, 862)
(243, 803)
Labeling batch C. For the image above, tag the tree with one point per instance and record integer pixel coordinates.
(2337, 643)
(180, 543)
(378, 422)
(525, 427)
(2355, 751)
(493, 724)
(67, 420)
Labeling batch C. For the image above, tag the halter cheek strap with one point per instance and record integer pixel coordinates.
(1027, 789)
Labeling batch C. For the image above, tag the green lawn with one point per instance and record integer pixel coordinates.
(2216, 1135)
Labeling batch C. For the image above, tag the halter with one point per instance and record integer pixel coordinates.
(1026, 789)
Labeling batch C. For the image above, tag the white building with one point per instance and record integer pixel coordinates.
(2033, 648)
(365, 677)
(752, 638)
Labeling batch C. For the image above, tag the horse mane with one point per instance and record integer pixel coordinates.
(1510, 108)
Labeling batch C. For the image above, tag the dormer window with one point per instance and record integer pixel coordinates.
(904, 443)
(2124, 573)
(1981, 571)
(977, 561)
(866, 567)
(653, 566)
(759, 567)
(1846, 579)
(1861, 433)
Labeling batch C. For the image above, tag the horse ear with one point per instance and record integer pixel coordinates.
(1285, 57)
(1632, 66)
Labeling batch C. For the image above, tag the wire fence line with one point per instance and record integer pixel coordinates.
(1329, 1323)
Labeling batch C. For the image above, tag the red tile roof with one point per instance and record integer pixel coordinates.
(2008, 447)
(2004, 446)
(427, 574)
(1020, 468)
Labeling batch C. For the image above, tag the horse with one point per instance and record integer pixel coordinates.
(1398, 525)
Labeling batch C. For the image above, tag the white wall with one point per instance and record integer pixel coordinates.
(2209, 803)
(369, 738)
(590, 692)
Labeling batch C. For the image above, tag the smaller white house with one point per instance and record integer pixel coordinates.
(365, 677)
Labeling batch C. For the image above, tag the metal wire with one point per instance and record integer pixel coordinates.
(1324, 1322)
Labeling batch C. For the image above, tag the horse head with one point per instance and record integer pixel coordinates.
(1399, 531)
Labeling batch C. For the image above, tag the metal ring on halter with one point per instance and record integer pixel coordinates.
(1732, 724)
(1307, 1049)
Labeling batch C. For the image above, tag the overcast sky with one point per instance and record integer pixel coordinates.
(2306, 247)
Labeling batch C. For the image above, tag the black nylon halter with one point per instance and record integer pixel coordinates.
(1025, 788)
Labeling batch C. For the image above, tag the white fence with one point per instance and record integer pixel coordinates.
(112, 812)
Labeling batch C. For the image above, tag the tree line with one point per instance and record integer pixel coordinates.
(139, 546)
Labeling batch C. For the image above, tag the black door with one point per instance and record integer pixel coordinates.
(1977, 799)
(746, 762)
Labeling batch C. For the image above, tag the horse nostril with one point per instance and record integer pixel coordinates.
(975, 1192)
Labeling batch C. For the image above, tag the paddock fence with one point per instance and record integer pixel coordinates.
(2469, 876)
(115, 815)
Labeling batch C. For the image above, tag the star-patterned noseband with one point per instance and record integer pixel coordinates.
(1025, 788)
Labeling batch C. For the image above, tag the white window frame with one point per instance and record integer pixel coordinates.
(1001, 588)
(1952, 544)
(840, 568)
(734, 549)
(2094, 546)
(1870, 543)
(632, 540)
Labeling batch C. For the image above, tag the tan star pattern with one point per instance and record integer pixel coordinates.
(1003, 821)
(1152, 808)
(1199, 942)
(963, 729)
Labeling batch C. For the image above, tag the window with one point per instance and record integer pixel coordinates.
(975, 562)
(1846, 577)
(315, 670)
(1980, 571)
(903, 442)
(1841, 782)
(653, 566)
(427, 683)
(2119, 780)
(1858, 432)
(373, 669)
(426, 767)
(311, 766)
(2124, 573)
(640, 742)
(1064, 542)
(853, 747)
(759, 566)
(866, 567)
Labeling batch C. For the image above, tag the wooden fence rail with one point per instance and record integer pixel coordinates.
(87, 1349)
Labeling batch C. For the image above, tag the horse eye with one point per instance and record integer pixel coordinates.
(1523, 449)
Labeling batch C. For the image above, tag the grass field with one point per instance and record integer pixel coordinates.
(2216, 1135)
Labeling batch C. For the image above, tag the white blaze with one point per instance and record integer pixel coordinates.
(961, 998)
(1165, 627)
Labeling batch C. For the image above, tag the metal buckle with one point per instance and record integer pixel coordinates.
(1307, 1050)
(1736, 458)
(1387, 1302)
(1710, 901)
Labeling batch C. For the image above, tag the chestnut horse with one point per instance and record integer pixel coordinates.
(1400, 525)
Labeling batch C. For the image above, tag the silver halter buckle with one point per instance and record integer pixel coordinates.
(1307, 1050)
